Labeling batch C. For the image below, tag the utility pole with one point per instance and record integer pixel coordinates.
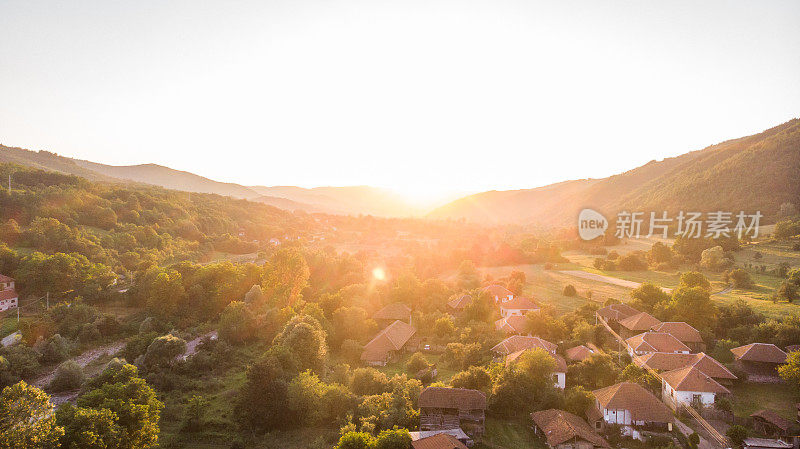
(9, 183)
(48, 300)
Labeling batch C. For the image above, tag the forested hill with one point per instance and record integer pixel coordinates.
(109, 227)
(758, 172)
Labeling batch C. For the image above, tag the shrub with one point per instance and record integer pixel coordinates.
(569, 290)
(163, 350)
(55, 349)
(69, 376)
(416, 363)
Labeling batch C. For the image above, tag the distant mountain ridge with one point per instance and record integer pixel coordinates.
(758, 172)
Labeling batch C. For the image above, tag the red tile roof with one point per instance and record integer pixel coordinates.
(438, 441)
(4, 278)
(680, 330)
(666, 361)
(460, 302)
(578, 353)
(8, 294)
(692, 379)
(515, 343)
(514, 324)
(391, 338)
(394, 311)
(519, 303)
(656, 342)
(759, 352)
(617, 312)
(641, 404)
(560, 427)
(496, 290)
(642, 321)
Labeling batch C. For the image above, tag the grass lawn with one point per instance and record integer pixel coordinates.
(751, 397)
(508, 435)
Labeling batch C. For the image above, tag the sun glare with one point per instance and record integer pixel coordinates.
(378, 274)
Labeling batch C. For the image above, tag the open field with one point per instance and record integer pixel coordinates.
(750, 397)
(508, 435)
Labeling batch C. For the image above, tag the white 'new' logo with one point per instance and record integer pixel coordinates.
(591, 224)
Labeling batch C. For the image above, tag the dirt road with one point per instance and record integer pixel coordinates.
(607, 279)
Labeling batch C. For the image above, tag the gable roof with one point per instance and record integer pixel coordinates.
(520, 303)
(8, 294)
(516, 343)
(692, 379)
(667, 361)
(458, 398)
(774, 419)
(394, 311)
(561, 364)
(498, 291)
(656, 342)
(642, 321)
(4, 278)
(460, 302)
(680, 330)
(391, 338)
(560, 426)
(616, 311)
(514, 324)
(438, 441)
(759, 352)
(578, 353)
(641, 404)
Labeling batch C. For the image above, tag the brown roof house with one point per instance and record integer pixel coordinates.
(771, 424)
(498, 292)
(613, 313)
(563, 430)
(633, 408)
(579, 353)
(516, 343)
(759, 359)
(458, 304)
(648, 342)
(8, 294)
(393, 312)
(443, 408)
(438, 441)
(559, 372)
(456, 433)
(387, 343)
(512, 325)
(636, 324)
(684, 332)
(689, 386)
(664, 361)
(518, 306)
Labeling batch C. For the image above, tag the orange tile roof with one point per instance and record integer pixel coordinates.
(561, 364)
(456, 398)
(578, 353)
(680, 330)
(642, 321)
(520, 303)
(656, 342)
(391, 338)
(394, 311)
(692, 379)
(666, 361)
(774, 419)
(759, 352)
(513, 324)
(498, 291)
(515, 343)
(560, 427)
(8, 294)
(617, 311)
(438, 441)
(4, 278)
(641, 404)
(460, 302)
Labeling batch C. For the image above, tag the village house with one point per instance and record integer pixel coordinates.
(771, 424)
(498, 293)
(649, 342)
(387, 343)
(664, 361)
(559, 371)
(443, 408)
(458, 304)
(613, 313)
(578, 353)
(689, 387)
(518, 306)
(456, 433)
(516, 343)
(512, 325)
(631, 407)
(393, 312)
(636, 324)
(684, 332)
(8, 294)
(759, 360)
(438, 441)
(563, 430)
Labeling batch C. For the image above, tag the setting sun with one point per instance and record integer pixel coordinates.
(378, 274)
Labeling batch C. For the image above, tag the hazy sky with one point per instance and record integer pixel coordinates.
(415, 95)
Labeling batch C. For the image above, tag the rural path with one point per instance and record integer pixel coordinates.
(83, 359)
(607, 279)
(191, 345)
(686, 431)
